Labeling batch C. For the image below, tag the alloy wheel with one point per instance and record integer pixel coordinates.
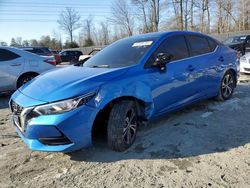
(227, 85)
(130, 127)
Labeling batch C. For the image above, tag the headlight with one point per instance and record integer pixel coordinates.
(63, 106)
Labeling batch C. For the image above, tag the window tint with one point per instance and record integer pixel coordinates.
(175, 46)
(198, 45)
(212, 43)
(6, 55)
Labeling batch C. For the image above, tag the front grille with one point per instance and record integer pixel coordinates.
(20, 115)
(246, 69)
(16, 108)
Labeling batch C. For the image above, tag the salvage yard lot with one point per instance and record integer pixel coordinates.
(205, 145)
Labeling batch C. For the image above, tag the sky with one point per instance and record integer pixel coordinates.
(32, 19)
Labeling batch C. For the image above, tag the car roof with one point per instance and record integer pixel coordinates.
(30, 48)
(165, 34)
(19, 51)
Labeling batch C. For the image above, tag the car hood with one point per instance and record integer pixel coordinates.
(68, 82)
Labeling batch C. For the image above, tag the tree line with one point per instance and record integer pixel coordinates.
(129, 17)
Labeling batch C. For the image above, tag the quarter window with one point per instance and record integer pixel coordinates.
(213, 44)
(6, 55)
(198, 45)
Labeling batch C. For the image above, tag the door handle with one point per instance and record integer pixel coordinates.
(190, 68)
(16, 64)
(221, 58)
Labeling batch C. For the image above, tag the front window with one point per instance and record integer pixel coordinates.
(122, 53)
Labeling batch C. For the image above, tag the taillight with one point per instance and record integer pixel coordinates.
(50, 61)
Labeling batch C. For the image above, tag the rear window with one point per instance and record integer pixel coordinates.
(198, 45)
(6, 55)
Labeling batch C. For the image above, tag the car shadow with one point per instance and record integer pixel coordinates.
(203, 128)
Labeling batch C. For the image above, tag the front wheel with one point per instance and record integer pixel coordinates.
(122, 125)
(227, 86)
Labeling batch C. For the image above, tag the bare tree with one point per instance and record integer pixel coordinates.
(88, 29)
(121, 16)
(142, 5)
(69, 21)
(155, 14)
(104, 33)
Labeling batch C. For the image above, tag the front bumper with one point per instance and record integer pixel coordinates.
(245, 67)
(65, 132)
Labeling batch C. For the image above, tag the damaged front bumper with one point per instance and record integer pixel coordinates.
(64, 132)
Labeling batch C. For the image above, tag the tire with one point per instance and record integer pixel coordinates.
(24, 79)
(122, 125)
(227, 86)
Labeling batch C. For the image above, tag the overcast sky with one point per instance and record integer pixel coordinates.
(32, 19)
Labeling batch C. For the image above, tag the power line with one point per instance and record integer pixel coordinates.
(56, 4)
(27, 20)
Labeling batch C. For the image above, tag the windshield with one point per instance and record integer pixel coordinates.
(236, 39)
(122, 53)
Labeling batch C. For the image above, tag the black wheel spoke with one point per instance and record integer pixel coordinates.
(129, 129)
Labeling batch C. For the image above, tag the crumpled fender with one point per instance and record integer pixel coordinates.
(125, 88)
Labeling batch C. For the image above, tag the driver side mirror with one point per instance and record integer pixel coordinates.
(162, 59)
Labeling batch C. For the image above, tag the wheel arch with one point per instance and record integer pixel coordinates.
(103, 114)
(24, 74)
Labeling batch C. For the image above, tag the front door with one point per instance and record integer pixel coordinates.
(174, 86)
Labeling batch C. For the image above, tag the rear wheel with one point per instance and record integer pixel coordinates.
(24, 79)
(227, 86)
(122, 125)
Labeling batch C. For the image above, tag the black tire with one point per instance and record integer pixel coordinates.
(227, 86)
(24, 79)
(122, 125)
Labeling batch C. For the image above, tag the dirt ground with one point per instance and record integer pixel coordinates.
(204, 145)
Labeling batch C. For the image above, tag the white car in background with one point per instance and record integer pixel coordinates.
(84, 58)
(17, 67)
(245, 63)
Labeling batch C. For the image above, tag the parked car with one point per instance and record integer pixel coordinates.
(43, 51)
(127, 84)
(70, 55)
(18, 67)
(239, 43)
(39, 51)
(57, 56)
(84, 58)
(245, 63)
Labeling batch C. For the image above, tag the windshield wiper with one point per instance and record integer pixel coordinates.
(100, 66)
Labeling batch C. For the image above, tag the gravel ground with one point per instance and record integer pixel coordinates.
(204, 145)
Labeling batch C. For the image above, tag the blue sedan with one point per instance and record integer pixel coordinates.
(130, 82)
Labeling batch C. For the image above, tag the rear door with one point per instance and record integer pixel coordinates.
(205, 62)
(11, 65)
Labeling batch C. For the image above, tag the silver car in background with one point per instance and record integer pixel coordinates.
(18, 67)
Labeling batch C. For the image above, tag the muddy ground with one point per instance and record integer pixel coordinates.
(204, 145)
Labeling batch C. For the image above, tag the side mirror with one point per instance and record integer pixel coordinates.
(162, 59)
